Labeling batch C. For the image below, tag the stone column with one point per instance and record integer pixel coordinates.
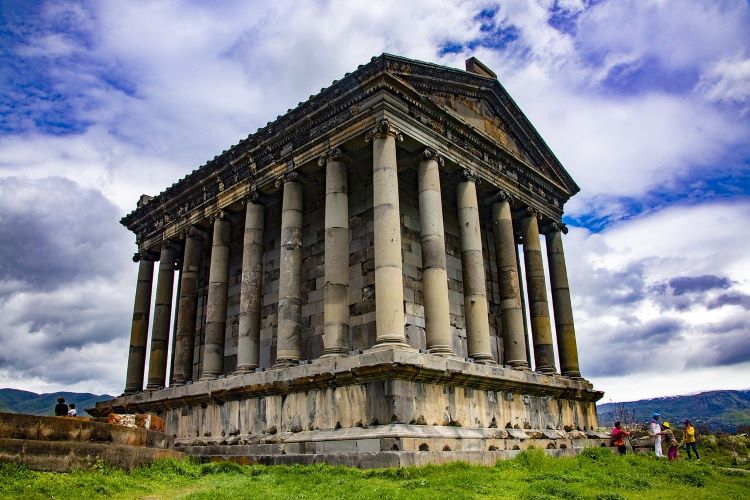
(475, 291)
(251, 297)
(288, 348)
(558, 275)
(511, 311)
(389, 280)
(434, 275)
(157, 364)
(336, 264)
(522, 292)
(216, 302)
(541, 330)
(139, 327)
(187, 307)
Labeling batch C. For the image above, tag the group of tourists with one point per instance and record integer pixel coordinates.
(64, 410)
(661, 430)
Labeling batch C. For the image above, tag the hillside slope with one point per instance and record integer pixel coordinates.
(18, 401)
(715, 410)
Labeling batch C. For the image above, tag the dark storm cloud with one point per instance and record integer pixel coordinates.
(62, 279)
(53, 232)
(694, 284)
(731, 298)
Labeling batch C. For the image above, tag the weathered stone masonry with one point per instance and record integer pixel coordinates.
(356, 263)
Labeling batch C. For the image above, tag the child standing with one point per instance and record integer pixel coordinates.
(670, 440)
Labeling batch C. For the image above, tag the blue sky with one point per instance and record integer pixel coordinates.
(646, 103)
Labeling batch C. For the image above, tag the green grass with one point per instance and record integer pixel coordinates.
(595, 474)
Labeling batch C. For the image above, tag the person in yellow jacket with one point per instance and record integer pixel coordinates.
(688, 439)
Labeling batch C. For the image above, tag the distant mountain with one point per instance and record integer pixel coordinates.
(713, 410)
(17, 401)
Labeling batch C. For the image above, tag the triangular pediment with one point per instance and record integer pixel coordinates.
(483, 103)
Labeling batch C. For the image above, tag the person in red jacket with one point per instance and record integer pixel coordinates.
(618, 438)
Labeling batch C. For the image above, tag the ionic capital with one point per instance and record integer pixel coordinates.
(382, 129)
(333, 154)
(533, 212)
(559, 227)
(293, 176)
(431, 154)
(220, 215)
(470, 175)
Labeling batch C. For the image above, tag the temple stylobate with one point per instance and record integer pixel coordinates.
(364, 277)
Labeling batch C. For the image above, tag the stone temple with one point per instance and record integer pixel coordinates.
(350, 284)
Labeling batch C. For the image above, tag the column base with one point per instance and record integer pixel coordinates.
(154, 387)
(245, 369)
(208, 376)
(440, 350)
(519, 365)
(334, 354)
(285, 363)
(546, 370)
(573, 374)
(391, 344)
(483, 359)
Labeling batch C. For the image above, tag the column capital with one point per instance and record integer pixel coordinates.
(332, 154)
(384, 128)
(293, 176)
(220, 215)
(429, 153)
(559, 226)
(533, 212)
(470, 175)
(145, 255)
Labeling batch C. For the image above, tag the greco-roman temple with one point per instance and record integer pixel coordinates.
(362, 281)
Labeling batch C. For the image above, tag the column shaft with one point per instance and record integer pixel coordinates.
(216, 303)
(288, 347)
(389, 280)
(476, 313)
(248, 342)
(139, 328)
(157, 365)
(434, 275)
(511, 312)
(187, 309)
(522, 291)
(541, 330)
(336, 265)
(566, 334)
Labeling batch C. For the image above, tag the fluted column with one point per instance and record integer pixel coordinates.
(476, 313)
(288, 348)
(389, 281)
(248, 341)
(511, 312)
(541, 330)
(216, 302)
(139, 327)
(434, 275)
(157, 364)
(336, 264)
(558, 275)
(187, 307)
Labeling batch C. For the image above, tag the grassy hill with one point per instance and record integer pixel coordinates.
(18, 401)
(714, 410)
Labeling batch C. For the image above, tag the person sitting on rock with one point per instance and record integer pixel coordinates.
(61, 409)
(72, 412)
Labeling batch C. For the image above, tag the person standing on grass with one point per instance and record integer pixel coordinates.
(618, 438)
(688, 439)
(61, 409)
(670, 440)
(656, 432)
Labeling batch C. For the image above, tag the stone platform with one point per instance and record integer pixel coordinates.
(383, 407)
(62, 444)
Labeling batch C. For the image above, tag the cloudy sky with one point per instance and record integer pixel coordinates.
(646, 103)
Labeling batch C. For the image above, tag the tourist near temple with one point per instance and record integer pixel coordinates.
(362, 281)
